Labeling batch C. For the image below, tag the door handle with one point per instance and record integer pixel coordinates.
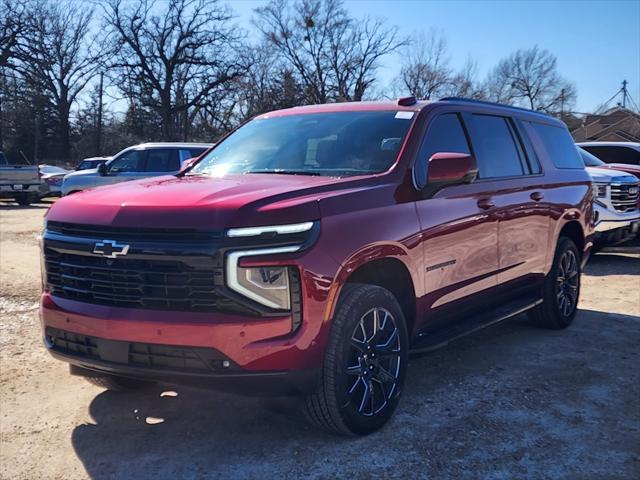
(537, 196)
(486, 203)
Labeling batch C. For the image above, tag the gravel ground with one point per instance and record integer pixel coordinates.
(509, 402)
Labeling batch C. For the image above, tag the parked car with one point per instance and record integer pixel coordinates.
(52, 177)
(309, 251)
(614, 152)
(92, 163)
(134, 163)
(20, 182)
(591, 160)
(617, 202)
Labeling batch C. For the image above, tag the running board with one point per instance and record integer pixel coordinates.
(427, 342)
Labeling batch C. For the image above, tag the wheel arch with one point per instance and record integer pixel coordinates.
(573, 230)
(388, 272)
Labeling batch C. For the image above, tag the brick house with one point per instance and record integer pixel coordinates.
(615, 125)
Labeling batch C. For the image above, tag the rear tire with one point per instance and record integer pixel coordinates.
(561, 289)
(118, 384)
(26, 199)
(364, 365)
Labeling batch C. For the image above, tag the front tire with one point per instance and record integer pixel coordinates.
(365, 363)
(561, 289)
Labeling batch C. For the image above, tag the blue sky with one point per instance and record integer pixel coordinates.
(597, 42)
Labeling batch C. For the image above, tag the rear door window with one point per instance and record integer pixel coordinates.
(559, 145)
(163, 160)
(495, 147)
(444, 135)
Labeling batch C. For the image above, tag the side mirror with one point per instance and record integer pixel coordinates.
(449, 168)
(102, 169)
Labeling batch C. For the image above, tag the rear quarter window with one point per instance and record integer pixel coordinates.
(559, 145)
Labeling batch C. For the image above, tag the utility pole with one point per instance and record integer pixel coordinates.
(624, 94)
(562, 95)
(99, 126)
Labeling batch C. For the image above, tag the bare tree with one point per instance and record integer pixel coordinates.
(56, 60)
(425, 72)
(530, 78)
(463, 83)
(172, 55)
(13, 27)
(333, 57)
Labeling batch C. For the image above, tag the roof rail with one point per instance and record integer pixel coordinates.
(484, 102)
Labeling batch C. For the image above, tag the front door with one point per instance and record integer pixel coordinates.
(128, 166)
(459, 231)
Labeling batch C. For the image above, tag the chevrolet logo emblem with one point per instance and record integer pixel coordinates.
(110, 248)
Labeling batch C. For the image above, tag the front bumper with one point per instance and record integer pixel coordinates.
(7, 191)
(263, 357)
(608, 220)
(197, 367)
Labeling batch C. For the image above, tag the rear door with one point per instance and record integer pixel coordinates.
(507, 162)
(162, 161)
(459, 235)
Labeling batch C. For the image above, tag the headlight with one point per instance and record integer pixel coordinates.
(275, 229)
(600, 190)
(268, 286)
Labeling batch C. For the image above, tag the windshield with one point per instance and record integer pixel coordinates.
(331, 144)
(589, 159)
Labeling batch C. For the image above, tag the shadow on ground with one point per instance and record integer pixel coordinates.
(604, 264)
(510, 401)
(43, 204)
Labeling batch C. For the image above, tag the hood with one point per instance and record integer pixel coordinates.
(623, 167)
(607, 175)
(202, 202)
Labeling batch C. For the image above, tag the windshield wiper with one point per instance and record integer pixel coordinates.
(287, 172)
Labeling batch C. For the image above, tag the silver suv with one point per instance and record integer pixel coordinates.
(133, 163)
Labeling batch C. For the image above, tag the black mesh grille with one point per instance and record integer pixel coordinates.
(134, 354)
(134, 283)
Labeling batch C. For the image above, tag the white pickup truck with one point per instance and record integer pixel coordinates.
(22, 183)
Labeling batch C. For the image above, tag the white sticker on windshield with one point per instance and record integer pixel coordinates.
(405, 115)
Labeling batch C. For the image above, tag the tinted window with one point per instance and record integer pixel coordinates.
(445, 134)
(559, 145)
(615, 154)
(131, 161)
(196, 152)
(495, 148)
(588, 159)
(334, 144)
(163, 160)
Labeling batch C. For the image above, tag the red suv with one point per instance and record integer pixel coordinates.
(311, 250)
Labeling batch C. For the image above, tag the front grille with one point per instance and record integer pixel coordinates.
(134, 283)
(141, 355)
(179, 235)
(622, 199)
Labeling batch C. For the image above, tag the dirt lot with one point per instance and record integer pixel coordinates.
(509, 402)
